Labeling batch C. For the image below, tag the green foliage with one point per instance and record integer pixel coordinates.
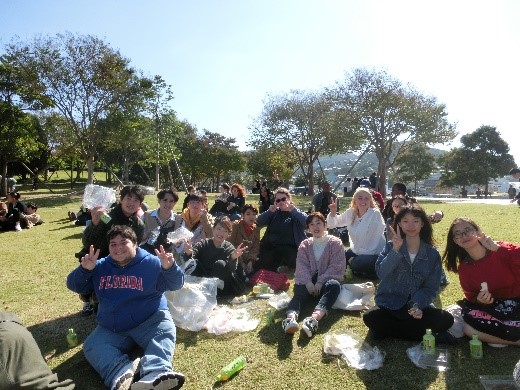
(482, 156)
(391, 116)
(304, 124)
(85, 80)
(264, 161)
(415, 164)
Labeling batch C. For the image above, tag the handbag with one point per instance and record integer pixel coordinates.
(275, 280)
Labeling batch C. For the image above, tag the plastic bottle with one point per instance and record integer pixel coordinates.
(475, 347)
(269, 317)
(348, 273)
(231, 369)
(72, 338)
(428, 342)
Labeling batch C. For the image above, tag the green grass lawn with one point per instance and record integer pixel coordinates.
(35, 263)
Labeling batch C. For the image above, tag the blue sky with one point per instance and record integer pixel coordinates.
(222, 57)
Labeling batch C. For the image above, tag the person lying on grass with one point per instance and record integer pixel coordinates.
(489, 274)
(320, 267)
(217, 258)
(130, 285)
(410, 271)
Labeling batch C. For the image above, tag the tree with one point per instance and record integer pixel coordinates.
(220, 155)
(484, 155)
(264, 161)
(391, 117)
(415, 164)
(19, 131)
(85, 80)
(303, 124)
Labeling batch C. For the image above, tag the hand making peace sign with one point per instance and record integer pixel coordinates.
(397, 240)
(167, 259)
(89, 260)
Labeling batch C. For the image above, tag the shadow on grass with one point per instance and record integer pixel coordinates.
(51, 337)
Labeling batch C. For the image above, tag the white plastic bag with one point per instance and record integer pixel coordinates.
(355, 297)
(355, 352)
(95, 195)
(178, 235)
(223, 320)
(279, 301)
(192, 304)
(458, 323)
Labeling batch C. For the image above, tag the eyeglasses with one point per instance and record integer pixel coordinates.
(280, 200)
(466, 232)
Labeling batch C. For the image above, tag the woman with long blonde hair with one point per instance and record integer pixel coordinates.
(365, 229)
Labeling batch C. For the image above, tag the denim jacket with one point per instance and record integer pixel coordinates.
(403, 283)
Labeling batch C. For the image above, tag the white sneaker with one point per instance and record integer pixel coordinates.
(17, 227)
(164, 380)
(126, 377)
(290, 326)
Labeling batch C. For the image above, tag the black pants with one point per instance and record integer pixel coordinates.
(399, 324)
(234, 281)
(270, 257)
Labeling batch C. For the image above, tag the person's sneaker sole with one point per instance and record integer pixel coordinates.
(166, 381)
(292, 329)
(307, 331)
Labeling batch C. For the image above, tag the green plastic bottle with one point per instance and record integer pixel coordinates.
(231, 369)
(428, 342)
(348, 273)
(72, 338)
(475, 347)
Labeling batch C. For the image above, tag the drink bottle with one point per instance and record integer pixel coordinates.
(428, 342)
(231, 369)
(475, 347)
(72, 338)
(348, 273)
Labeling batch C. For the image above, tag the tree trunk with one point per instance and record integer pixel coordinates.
(382, 176)
(90, 169)
(3, 184)
(310, 179)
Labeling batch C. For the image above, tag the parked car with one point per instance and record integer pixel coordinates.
(300, 191)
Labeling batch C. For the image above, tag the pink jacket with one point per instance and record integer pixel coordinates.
(331, 265)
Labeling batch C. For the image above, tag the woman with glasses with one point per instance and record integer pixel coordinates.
(365, 229)
(159, 222)
(284, 234)
(489, 274)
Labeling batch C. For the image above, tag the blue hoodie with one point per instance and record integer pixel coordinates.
(127, 295)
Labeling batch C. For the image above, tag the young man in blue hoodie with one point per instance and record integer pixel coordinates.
(130, 285)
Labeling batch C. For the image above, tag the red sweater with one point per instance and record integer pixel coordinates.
(500, 270)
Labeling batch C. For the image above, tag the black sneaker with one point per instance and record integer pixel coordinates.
(310, 326)
(87, 309)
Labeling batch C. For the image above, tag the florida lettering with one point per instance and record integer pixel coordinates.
(123, 281)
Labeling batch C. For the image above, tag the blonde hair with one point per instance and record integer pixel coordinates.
(353, 204)
(282, 190)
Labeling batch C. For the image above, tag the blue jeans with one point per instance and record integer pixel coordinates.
(329, 293)
(362, 265)
(107, 351)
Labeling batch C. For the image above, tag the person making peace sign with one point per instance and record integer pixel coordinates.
(130, 285)
(409, 268)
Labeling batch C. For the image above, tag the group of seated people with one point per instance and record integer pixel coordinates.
(399, 252)
(15, 215)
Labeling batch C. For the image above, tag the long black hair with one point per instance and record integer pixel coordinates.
(426, 233)
(454, 254)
